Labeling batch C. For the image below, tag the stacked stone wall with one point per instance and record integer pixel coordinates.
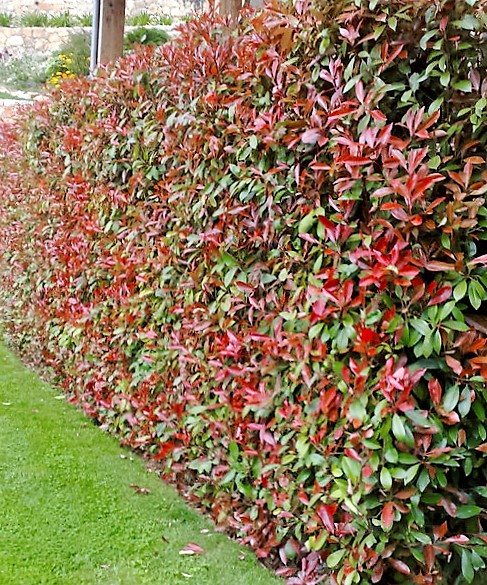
(41, 41)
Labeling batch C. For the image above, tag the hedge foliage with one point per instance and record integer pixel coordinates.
(259, 256)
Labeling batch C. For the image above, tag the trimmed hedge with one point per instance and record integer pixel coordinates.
(259, 256)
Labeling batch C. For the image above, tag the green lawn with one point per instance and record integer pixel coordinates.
(69, 516)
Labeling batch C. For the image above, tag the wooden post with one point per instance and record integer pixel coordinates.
(110, 30)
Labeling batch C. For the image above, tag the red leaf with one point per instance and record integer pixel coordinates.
(326, 513)
(436, 266)
(429, 556)
(448, 506)
(405, 494)
(247, 288)
(353, 160)
(440, 531)
(441, 295)
(166, 448)
(387, 515)
(435, 390)
(400, 566)
(454, 364)
(352, 453)
(458, 539)
(140, 490)
(378, 115)
(311, 136)
(192, 549)
(378, 572)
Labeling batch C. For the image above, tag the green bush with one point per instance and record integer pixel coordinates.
(145, 36)
(259, 256)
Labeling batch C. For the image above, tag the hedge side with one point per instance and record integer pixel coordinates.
(259, 256)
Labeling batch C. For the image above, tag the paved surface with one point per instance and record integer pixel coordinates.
(8, 105)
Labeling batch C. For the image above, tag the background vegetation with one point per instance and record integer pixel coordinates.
(66, 19)
(259, 257)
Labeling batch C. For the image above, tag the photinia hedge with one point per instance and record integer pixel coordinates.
(259, 256)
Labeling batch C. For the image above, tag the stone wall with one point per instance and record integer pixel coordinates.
(41, 41)
(79, 7)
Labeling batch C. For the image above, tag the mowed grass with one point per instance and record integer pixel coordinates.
(69, 516)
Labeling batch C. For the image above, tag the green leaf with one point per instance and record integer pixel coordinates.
(460, 290)
(450, 399)
(465, 402)
(407, 459)
(315, 330)
(420, 537)
(423, 41)
(423, 480)
(419, 419)
(434, 107)
(468, 22)
(468, 511)
(477, 561)
(398, 429)
(352, 468)
(422, 326)
(411, 474)
(333, 559)
(378, 31)
(445, 310)
(467, 569)
(445, 79)
(385, 478)
(307, 223)
(435, 161)
(391, 455)
(476, 293)
(436, 343)
(463, 85)
(456, 325)
(229, 276)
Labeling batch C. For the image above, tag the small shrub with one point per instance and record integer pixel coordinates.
(141, 19)
(164, 20)
(85, 19)
(34, 19)
(62, 20)
(6, 19)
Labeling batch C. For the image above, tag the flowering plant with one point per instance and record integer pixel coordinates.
(59, 69)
